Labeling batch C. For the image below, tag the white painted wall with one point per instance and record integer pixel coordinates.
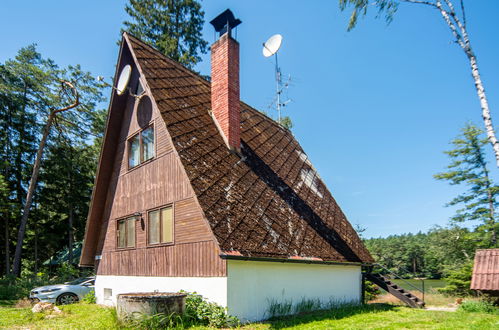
(212, 288)
(250, 284)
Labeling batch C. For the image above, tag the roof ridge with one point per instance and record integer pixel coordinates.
(204, 80)
(176, 63)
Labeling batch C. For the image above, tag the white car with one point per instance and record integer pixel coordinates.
(63, 294)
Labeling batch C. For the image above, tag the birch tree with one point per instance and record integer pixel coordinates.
(454, 15)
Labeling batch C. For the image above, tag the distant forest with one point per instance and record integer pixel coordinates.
(434, 254)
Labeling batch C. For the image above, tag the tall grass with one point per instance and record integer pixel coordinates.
(286, 307)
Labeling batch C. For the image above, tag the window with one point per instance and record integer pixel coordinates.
(160, 227)
(147, 143)
(126, 232)
(141, 147)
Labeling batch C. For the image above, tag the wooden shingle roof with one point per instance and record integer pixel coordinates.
(267, 202)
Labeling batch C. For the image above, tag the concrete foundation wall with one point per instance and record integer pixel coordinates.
(251, 285)
(108, 287)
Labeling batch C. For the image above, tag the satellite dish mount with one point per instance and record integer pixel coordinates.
(270, 48)
(123, 81)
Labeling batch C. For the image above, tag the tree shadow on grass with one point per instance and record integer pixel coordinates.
(332, 314)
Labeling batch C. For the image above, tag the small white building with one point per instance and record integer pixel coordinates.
(198, 191)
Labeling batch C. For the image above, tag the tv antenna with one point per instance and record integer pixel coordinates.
(271, 47)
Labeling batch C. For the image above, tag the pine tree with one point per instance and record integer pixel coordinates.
(174, 27)
(469, 167)
(30, 88)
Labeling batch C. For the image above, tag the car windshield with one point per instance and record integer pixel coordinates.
(78, 281)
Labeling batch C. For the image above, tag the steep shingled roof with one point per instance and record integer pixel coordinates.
(269, 202)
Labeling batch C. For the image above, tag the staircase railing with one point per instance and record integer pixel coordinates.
(422, 290)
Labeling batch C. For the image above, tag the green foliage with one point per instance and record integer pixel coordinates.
(89, 298)
(458, 281)
(201, 312)
(174, 27)
(286, 122)
(430, 255)
(468, 167)
(279, 308)
(18, 288)
(372, 316)
(198, 312)
(282, 308)
(30, 87)
(371, 291)
(481, 306)
(388, 8)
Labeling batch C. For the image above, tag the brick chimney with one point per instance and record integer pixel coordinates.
(225, 104)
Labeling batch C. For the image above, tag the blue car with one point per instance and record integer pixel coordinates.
(63, 294)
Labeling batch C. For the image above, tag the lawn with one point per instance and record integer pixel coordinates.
(373, 316)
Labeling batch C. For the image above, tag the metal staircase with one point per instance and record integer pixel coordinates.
(403, 295)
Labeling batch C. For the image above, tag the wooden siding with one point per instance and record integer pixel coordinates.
(192, 259)
(155, 183)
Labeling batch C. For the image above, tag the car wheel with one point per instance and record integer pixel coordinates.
(67, 298)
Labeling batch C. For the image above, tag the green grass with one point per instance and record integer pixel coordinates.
(78, 316)
(384, 317)
(428, 284)
(373, 316)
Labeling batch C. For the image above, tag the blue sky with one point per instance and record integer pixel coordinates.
(373, 108)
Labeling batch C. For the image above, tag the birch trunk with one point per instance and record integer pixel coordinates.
(460, 33)
(484, 104)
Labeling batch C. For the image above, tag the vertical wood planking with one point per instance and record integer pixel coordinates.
(151, 185)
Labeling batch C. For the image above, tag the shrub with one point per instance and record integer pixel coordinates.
(201, 312)
(198, 312)
(17, 288)
(89, 298)
(13, 288)
(371, 291)
(458, 282)
(479, 307)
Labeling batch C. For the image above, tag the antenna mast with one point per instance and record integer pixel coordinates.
(270, 47)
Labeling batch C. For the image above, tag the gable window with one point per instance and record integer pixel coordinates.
(126, 233)
(141, 147)
(160, 226)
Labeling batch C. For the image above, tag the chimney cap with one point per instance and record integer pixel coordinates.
(225, 22)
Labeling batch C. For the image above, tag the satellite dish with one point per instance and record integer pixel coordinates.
(272, 45)
(124, 79)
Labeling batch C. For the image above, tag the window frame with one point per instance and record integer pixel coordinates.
(149, 244)
(141, 146)
(126, 219)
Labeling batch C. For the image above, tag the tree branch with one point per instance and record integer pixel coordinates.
(464, 13)
(75, 94)
(452, 26)
(428, 3)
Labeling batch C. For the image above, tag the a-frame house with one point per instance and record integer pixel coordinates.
(197, 191)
